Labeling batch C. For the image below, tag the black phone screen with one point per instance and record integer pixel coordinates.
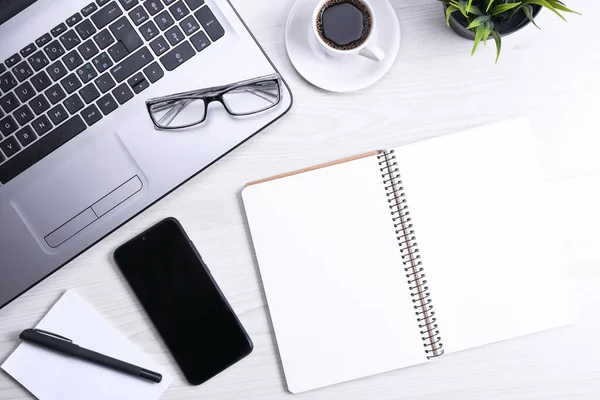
(185, 304)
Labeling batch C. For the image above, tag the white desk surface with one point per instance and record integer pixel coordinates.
(435, 87)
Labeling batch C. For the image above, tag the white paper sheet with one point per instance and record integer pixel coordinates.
(333, 275)
(486, 234)
(51, 376)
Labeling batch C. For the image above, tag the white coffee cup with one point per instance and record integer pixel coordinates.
(366, 49)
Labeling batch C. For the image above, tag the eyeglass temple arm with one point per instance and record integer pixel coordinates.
(216, 89)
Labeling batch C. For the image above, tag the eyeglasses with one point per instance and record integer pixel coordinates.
(183, 110)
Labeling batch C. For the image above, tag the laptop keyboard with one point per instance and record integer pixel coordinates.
(88, 66)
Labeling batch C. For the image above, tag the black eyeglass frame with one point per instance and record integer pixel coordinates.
(209, 95)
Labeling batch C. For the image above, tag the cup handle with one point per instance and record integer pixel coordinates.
(373, 53)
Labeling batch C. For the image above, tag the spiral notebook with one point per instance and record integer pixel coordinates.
(394, 258)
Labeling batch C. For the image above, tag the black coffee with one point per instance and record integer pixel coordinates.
(344, 24)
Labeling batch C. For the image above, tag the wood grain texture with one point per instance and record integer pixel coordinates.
(435, 87)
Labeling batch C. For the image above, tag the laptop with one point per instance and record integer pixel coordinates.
(79, 154)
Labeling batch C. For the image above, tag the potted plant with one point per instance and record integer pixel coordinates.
(478, 20)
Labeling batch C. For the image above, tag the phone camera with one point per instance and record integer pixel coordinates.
(143, 237)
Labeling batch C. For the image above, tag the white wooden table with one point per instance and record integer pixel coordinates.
(435, 87)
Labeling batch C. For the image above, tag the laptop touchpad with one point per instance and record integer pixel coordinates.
(79, 191)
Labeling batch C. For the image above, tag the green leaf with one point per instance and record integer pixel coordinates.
(469, 6)
(449, 11)
(544, 3)
(489, 5)
(502, 8)
(498, 40)
(560, 6)
(478, 37)
(488, 27)
(478, 21)
(528, 10)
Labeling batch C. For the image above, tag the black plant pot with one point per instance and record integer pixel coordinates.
(505, 27)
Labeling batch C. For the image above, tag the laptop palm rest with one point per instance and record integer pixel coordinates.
(84, 188)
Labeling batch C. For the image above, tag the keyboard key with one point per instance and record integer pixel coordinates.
(104, 39)
(189, 25)
(138, 15)
(23, 115)
(102, 62)
(1, 157)
(128, 4)
(177, 56)
(136, 80)
(89, 93)
(41, 81)
(2, 68)
(125, 33)
(22, 71)
(55, 94)
(209, 22)
(41, 148)
(39, 104)
(88, 50)
(86, 73)
(107, 104)
(7, 82)
(107, 15)
(149, 30)
(141, 86)
(159, 46)
(132, 64)
(43, 40)
(122, 93)
(102, 2)
(105, 82)
(58, 114)
(54, 50)
(85, 29)
(164, 20)
(70, 40)
(57, 70)
(28, 50)
(153, 6)
(73, 104)
(38, 61)
(26, 136)
(58, 30)
(9, 102)
(174, 35)
(42, 125)
(72, 60)
(193, 4)
(73, 19)
(90, 8)
(25, 92)
(118, 52)
(154, 72)
(179, 10)
(169, 2)
(200, 41)
(70, 83)
(91, 115)
(10, 147)
(8, 126)
(12, 60)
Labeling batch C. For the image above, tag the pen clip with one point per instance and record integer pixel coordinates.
(54, 335)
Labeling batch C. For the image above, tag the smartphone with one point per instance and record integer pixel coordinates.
(183, 301)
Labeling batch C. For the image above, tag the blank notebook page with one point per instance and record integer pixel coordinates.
(333, 276)
(486, 234)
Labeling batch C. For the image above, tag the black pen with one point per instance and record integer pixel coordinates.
(66, 346)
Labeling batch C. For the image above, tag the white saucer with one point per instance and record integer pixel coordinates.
(334, 74)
